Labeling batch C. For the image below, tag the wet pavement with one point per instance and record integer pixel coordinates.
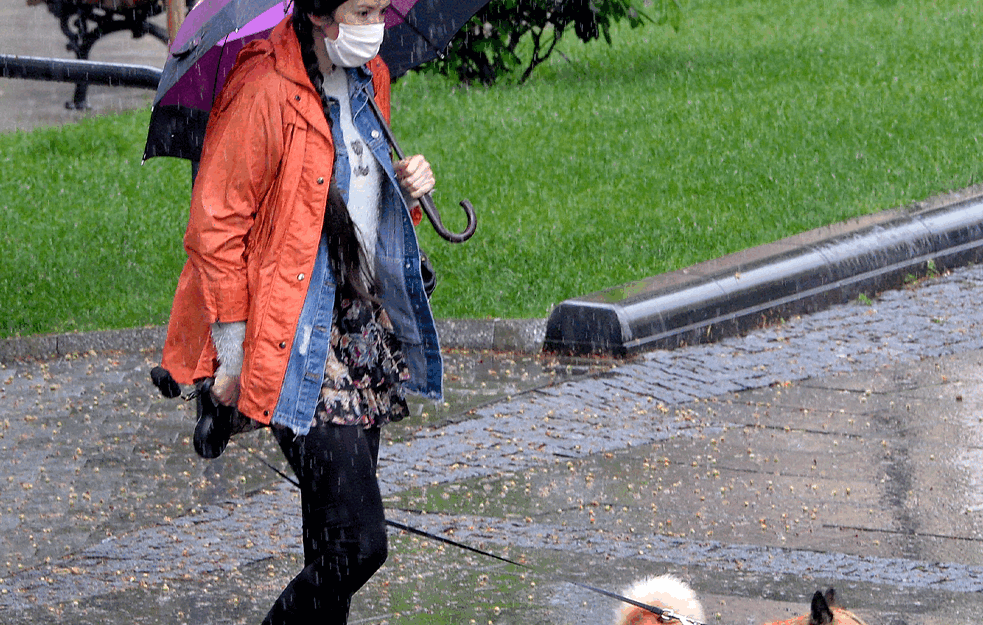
(838, 449)
(841, 448)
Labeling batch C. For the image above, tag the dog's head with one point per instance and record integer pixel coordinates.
(824, 611)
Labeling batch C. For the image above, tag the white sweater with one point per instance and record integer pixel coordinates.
(365, 184)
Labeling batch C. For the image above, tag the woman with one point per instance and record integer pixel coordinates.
(302, 294)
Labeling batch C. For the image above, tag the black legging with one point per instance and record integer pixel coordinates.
(344, 521)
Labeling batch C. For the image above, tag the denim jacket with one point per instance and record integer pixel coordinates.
(397, 268)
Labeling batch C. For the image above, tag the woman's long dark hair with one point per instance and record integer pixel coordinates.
(344, 250)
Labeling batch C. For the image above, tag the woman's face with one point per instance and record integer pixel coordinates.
(353, 12)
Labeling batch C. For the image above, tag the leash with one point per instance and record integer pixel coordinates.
(663, 614)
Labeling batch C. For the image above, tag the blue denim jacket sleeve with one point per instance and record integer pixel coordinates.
(397, 266)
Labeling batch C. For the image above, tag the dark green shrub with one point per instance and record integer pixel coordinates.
(508, 36)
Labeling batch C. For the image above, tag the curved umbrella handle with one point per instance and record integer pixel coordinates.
(426, 202)
(430, 210)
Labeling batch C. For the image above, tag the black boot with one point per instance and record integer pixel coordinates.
(162, 379)
(214, 427)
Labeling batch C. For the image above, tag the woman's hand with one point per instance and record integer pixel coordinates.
(415, 176)
(225, 389)
(228, 339)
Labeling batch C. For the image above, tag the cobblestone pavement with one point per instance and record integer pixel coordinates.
(841, 448)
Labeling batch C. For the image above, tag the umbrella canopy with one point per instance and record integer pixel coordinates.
(201, 55)
(418, 31)
(214, 32)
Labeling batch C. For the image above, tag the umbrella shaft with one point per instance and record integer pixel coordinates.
(385, 127)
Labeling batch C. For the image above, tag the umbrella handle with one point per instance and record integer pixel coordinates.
(430, 210)
(426, 202)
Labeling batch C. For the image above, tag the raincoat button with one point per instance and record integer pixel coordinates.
(300, 277)
(283, 344)
(297, 98)
(375, 134)
(320, 180)
(266, 413)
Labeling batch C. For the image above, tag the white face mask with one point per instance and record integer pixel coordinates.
(356, 45)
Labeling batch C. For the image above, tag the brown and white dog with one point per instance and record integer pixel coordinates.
(669, 593)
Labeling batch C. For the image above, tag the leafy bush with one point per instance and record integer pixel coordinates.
(510, 35)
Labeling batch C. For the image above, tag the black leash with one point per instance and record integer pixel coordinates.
(666, 615)
(660, 612)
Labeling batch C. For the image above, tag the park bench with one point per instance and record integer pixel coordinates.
(84, 22)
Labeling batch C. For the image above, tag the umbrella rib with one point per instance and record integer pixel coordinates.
(215, 85)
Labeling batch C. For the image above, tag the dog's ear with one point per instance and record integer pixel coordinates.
(821, 613)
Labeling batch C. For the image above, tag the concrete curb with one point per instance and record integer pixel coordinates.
(798, 275)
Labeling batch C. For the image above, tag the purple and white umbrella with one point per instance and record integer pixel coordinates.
(201, 55)
(205, 49)
(214, 32)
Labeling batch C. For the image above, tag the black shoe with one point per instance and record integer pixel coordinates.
(214, 427)
(162, 379)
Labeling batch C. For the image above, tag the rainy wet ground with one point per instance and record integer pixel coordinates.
(839, 449)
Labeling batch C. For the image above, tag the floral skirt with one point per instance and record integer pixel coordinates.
(365, 370)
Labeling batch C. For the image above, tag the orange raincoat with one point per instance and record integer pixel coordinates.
(257, 211)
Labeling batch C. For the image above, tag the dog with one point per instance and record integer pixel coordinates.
(674, 595)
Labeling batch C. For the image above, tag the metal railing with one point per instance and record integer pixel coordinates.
(75, 71)
(84, 22)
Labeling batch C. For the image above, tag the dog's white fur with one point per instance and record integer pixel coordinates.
(666, 592)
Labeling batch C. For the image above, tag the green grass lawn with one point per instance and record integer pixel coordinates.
(757, 120)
